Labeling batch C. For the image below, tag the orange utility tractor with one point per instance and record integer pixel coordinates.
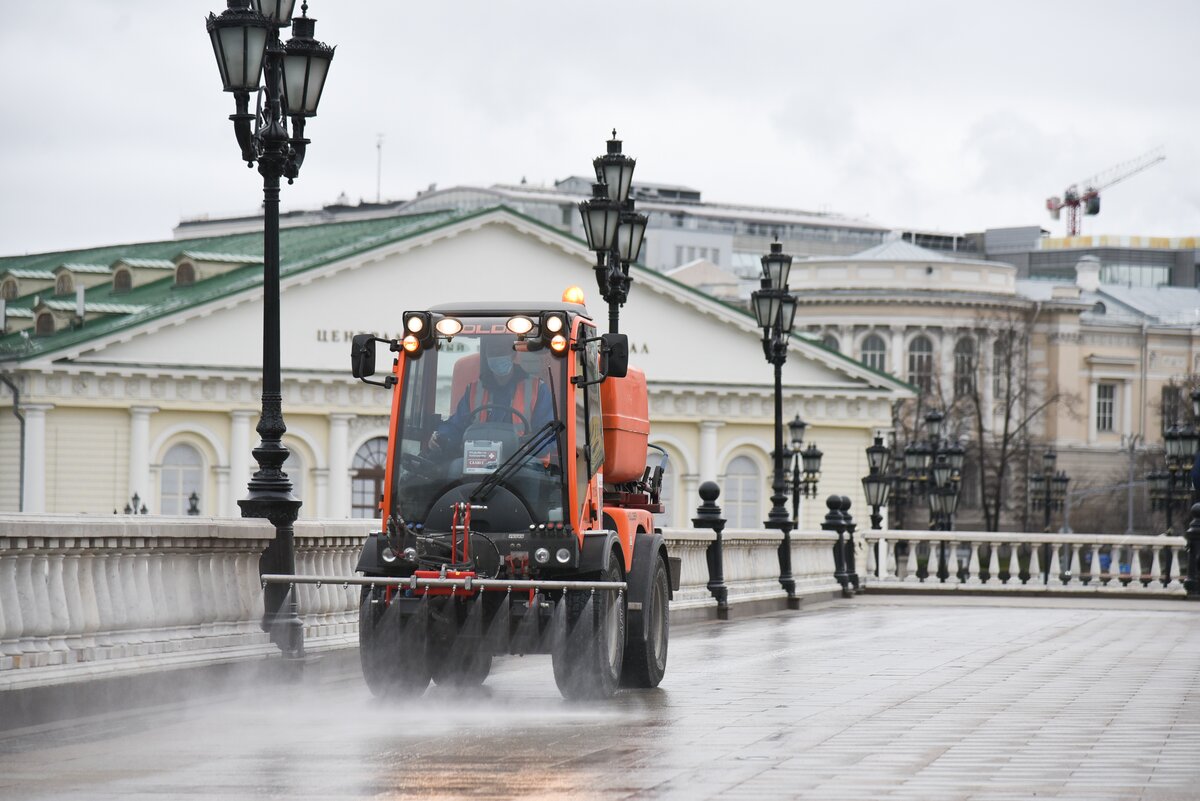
(517, 505)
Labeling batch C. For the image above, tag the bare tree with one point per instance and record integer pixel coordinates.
(997, 421)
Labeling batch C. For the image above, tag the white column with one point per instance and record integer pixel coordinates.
(896, 352)
(239, 460)
(708, 449)
(35, 456)
(339, 466)
(139, 456)
(946, 354)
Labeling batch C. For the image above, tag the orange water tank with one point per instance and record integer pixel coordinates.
(626, 426)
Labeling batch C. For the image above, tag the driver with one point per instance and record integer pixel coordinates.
(503, 384)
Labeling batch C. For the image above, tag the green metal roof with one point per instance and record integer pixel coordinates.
(301, 249)
(86, 268)
(229, 258)
(29, 275)
(152, 264)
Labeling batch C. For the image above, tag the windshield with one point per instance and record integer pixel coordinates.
(481, 422)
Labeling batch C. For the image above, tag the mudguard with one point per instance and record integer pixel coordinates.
(597, 550)
(647, 548)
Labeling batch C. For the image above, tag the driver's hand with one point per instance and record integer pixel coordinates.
(435, 443)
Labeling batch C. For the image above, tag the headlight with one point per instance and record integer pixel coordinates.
(448, 326)
(519, 325)
(541, 556)
(563, 556)
(388, 555)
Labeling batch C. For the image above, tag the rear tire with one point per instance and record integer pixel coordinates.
(394, 662)
(646, 651)
(587, 657)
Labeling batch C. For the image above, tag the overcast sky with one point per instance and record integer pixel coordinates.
(939, 115)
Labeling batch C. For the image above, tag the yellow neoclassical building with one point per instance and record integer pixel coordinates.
(135, 369)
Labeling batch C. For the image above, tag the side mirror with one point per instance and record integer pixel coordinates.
(614, 355)
(362, 356)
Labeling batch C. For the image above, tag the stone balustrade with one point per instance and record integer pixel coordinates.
(82, 597)
(1046, 563)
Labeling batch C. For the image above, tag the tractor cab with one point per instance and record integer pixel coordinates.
(496, 457)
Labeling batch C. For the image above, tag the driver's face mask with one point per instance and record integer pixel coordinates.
(500, 366)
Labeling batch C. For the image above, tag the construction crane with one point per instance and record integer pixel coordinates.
(1089, 198)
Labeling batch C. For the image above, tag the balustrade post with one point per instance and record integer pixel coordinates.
(1156, 582)
(973, 567)
(1055, 574)
(708, 515)
(1074, 567)
(12, 625)
(910, 562)
(1173, 582)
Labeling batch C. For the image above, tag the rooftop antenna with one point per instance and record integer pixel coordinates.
(378, 167)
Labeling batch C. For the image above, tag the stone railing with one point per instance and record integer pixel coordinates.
(82, 597)
(751, 559)
(91, 596)
(975, 560)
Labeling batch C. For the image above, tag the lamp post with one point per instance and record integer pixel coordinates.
(613, 229)
(1167, 487)
(1048, 489)
(1192, 583)
(288, 80)
(810, 459)
(775, 311)
(932, 468)
(876, 487)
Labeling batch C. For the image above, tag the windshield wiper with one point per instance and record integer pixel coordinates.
(512, 464)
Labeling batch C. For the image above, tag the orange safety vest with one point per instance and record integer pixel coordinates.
(526, 388)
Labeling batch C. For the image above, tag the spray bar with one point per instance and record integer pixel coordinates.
(413, 582)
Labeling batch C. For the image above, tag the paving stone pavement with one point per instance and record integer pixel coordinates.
(873, 698)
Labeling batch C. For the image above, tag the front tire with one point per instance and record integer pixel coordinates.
(391, 650)
(587, 657)
(646, 652)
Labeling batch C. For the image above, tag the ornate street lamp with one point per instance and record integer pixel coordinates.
(877, 486)
(614, 230)
(1192, 583)
(775, 311)
(808, 459)
(289, 79)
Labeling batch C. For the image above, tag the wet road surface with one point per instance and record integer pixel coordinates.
(871, 698)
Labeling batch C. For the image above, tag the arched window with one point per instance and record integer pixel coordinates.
(920, 363)
(9, 290)
(44, 325)
(64, 285)
(740, 499)
(874, 352)
(1099, 308)
(831, 341)
(180, 476)
(366, 484)
(122, 281)
(965, 366)
(185, 274)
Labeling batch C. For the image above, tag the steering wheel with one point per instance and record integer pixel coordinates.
(420, 465)
(507, 410)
